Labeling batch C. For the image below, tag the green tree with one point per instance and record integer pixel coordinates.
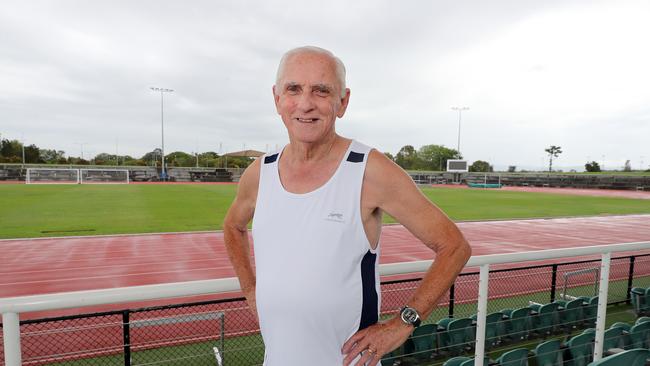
(553, 152)
(407, 157)
(389, 156)
(481, 166)
(434, 157)
(11, 148)
(152, 157)
(592, 167)
(51, 156)
(32, 154)
(179, 158)
(627, 167)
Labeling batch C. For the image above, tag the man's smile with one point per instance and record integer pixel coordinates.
(307, 120)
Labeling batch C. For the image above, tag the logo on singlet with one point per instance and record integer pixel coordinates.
(335, 216)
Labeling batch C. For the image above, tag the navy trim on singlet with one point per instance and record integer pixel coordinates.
(271, 158)
(355, 157)
(369, 312)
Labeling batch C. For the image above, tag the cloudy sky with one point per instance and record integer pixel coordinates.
(533, 73)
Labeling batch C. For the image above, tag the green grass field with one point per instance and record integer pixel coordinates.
(60, 210)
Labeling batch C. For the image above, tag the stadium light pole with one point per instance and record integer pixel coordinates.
(460, 112)
(81, 144)
(162, 125)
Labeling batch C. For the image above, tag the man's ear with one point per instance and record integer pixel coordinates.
(344, 103)
(276, 99)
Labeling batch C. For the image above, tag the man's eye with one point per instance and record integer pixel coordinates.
(293, 89)
(322, 92)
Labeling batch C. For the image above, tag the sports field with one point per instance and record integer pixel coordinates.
(61, 210)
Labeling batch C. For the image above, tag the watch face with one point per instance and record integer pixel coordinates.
(409, 315)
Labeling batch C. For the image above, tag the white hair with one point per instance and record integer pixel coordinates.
(339, 66)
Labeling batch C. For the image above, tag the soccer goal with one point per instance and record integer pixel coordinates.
(103, 176)
(52, 176)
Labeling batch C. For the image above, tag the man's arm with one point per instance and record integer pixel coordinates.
(235, 231)
(389, 188)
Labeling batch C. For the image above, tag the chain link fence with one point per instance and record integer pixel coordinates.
(225, 332)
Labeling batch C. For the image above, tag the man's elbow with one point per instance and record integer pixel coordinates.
(461, 251)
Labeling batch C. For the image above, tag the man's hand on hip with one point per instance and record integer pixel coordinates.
(375, 341)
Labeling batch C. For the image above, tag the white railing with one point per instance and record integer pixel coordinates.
(11, 308)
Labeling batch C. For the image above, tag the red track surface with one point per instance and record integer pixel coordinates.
(38, 266)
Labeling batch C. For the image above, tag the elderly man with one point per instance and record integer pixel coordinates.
(317, 208)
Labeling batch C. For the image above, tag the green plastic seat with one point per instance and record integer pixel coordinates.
(581, 349)
(614, 339)
(546, 319)
(637, 296)
(549, 353)
(424, 341)
(495, 328)
(516, 357)
(456, 361)
(571, 316)
(633, 357)
(642, 319)
(590, 309)
(520, 324)
(640, 335)
(625, 326)
(470, 362)
(460, 335)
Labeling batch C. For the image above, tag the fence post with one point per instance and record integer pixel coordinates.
(452, 295)
(126, 332)
(553, 282)
(630, 277)
(481, 314)
(11, 339)
(602, 305)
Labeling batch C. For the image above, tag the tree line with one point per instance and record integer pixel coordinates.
(13, 151)
(427, 157)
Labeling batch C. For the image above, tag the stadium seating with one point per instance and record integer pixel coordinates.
(424, 341)
(580, 349)
(590, 309)
(519, 324)
(549, 353)
(516, 357)
(614, 340)
(640, 335)
(457, 361)
(460, 335)
(642, 319)
(633, 357)
(640, 300)
(571, 315)
(470, 362)
(546, 320)
(495, 328)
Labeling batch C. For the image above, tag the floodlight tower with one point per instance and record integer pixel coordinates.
(162, 126)
(460, 112)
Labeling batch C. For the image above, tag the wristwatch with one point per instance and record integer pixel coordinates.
(410, 316)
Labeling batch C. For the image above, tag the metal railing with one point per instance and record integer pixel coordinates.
(11, 308)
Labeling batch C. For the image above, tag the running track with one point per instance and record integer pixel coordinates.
(38, 266)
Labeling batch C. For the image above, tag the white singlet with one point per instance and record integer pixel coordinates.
(317, 279)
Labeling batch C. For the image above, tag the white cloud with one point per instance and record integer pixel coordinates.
(569, 73)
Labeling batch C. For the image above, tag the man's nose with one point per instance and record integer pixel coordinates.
(305, 102)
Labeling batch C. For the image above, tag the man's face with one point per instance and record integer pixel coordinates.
(308, 97)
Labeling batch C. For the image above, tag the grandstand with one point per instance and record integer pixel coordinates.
(504, 314)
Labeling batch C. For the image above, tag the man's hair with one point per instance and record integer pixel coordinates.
(339, 67)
